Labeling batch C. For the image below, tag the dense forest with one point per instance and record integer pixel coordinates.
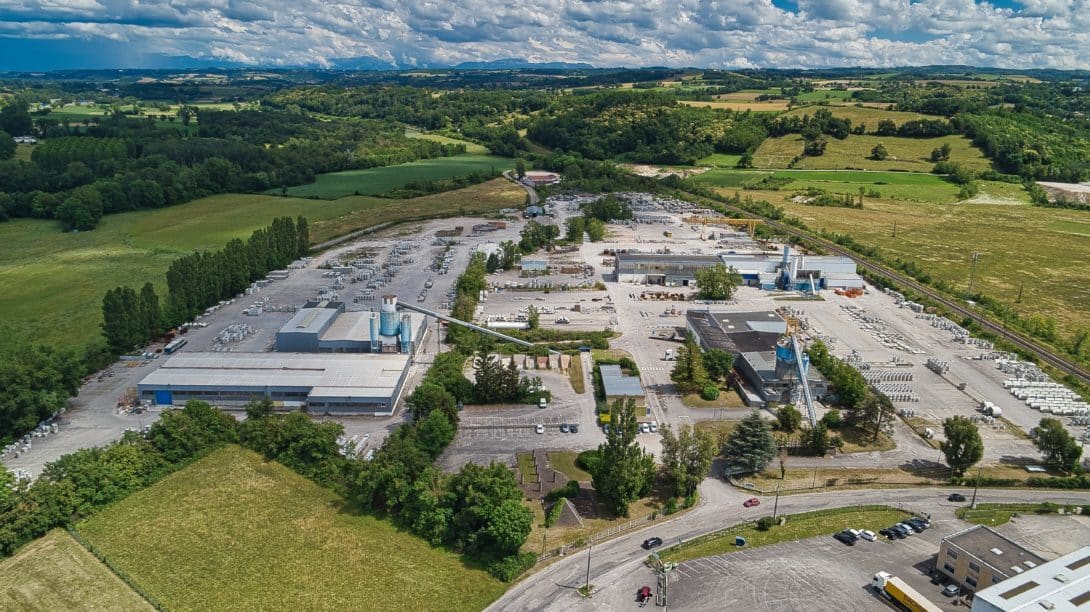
(644, 127)
(118, 163)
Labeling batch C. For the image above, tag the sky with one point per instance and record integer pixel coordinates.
(55, 34)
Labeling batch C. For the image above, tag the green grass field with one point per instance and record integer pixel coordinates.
(798, 527)
(54, 281)
(377, 181)
(853, 153)
(891, 185)
(1018, 243)
(471, 147)
(55, 573)
(825, 94)
(233, 531)
(720, 160)
(861, 114)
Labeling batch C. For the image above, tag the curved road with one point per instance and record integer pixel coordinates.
(510, 175)
(554, 587)
(1044, 354)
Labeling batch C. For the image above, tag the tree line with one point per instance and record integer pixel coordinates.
(199, 280)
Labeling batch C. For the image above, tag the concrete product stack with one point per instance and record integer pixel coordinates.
(938, 366)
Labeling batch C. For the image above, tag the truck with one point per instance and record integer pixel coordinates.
(174, 345)
(896, 590)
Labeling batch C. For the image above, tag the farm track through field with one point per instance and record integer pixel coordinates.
(1045, 355)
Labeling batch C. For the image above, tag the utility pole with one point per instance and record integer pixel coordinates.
(972, 269)
(587, 587)
(776, 504)
(975, 489)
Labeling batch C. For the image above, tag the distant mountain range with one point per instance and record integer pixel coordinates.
(513, 63)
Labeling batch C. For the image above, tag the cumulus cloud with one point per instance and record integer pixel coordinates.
(714, 33)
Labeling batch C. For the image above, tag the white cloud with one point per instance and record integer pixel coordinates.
(726, 33)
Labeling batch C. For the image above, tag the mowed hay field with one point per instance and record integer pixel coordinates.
(233, 531)
(891, 185)
(868, 116)
(53, 282)
(55, 573)
(376, 181)
(1017, 243)
(770, 106)
(906, 154)
(471, 147)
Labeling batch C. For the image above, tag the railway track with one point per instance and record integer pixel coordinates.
(1042, 353)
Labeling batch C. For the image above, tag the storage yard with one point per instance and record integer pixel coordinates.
(328, 310)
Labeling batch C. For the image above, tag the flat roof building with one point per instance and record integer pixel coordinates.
(790, 271)
(323, 383)
(617, 385)
(978, 557)
(1061, 585)
(325, 327)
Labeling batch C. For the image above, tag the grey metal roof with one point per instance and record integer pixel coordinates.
(617, 384)
(309, 321)
(351, 373)
(1034, 587)
(983, 542)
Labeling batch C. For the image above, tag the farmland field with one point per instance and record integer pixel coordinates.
(55, 573)
(248, 534)
(376, 181)
(892, 185)
(771, 106)
(54, 281)
(720, 160)
(853, 153)
(1018, 243)
(865, 115)
(471, 147)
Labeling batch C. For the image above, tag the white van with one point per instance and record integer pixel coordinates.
(542, 403)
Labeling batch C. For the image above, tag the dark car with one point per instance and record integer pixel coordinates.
(573, 428)
(956, 497)
(888, 533)
(900, 530)
(919, 523)
(650, 543)
(845, 537)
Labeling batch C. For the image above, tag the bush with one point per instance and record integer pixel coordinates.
(509, 568)
(710, 393)
(987, 482)
(554, 514)
(690, 499)
(569, 490)
(1047, 508)
(832, 419)
(765, 523)
(1074, 482)
(588, 460)
(670, 507)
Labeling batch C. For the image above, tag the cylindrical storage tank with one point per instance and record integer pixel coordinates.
(374, 333)
(406, 334)
(388, 316)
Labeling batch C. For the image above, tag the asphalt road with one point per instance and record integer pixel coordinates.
(554, 588)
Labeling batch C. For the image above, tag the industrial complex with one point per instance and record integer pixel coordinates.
(1061, 585)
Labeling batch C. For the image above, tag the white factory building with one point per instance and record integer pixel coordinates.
(327, 361)
(1061, 585)
(323, 383)
(790, 271)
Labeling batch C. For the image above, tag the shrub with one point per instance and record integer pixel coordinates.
(509, 568)
(569, 490)
(588, 460)
(832, 419)
(554, 514)
(690, 499)
(1074, 482)
(710, 392)
(765, 523)
(670, 507)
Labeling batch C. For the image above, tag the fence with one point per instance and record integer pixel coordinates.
(600, 536)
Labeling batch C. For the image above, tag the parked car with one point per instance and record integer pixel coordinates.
(564, 428)
(951, 590)
(845, 537)
(919, 522)
(855, 533)
(897, 531)
(910, 528)
(650, 543)
(901, 530)
(573, 428)
(645, 428)
(540, 428)
(956, 497)
(751, 502)
(888, 533)
(654, 426)
(868, 535)
(542, 402)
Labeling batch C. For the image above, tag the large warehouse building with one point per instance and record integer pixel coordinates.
(325, 327)
(790, 271)
(754, 339)
(323, 383)
(1061, 585)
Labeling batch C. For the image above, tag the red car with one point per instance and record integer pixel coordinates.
(751, 502)
(643, 595)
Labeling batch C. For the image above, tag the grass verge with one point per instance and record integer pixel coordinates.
(525, 463)
(564, 462)
(797, 527)
(55, 573)
(998, 514)
(375, 181)
(233, 531)
(576, 375)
